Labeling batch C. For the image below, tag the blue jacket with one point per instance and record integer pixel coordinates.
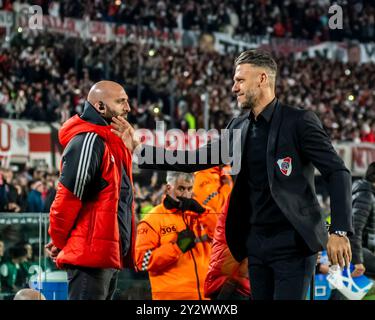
(34, 201)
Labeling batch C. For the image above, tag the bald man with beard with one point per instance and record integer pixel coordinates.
(91, 219)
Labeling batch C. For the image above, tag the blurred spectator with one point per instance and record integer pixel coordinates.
(173, 240)
(21, 196)
(50, 195)
(367, 134)
(2, 250)
(363, 240)
(11, 191)
(34, 198)
(15, 189)
(3, 193)
(12, 278)
(187, 121)
(322, 264)
(29, 266)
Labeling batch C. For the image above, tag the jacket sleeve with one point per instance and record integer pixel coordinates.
(317, 148)
(209, 220)
(150, 255)
(211, 194)
(362, 207)
(81, 163)
(223, 195)
(210, 155)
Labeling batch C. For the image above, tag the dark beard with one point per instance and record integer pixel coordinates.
(108, 117)
(250, 102)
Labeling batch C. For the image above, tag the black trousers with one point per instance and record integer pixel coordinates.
(91, 283)
(280, 264)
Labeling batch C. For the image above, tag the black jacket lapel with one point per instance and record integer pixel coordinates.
(244, 129)
(272, 138)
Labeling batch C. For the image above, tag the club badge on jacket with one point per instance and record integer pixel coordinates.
(285, 166)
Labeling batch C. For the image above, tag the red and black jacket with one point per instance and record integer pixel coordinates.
(92, 217)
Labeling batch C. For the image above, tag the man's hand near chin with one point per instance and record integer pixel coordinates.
(126, 132)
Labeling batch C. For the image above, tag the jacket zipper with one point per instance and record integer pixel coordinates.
(196, 274)
(195, 263)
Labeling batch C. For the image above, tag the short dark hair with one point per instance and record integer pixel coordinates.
(17, 252)
(258, 58)
(370, 172)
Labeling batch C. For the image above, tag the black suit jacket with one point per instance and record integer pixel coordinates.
(296, 134)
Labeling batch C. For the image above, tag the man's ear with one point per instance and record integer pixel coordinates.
(263, 79)
(99, 106)
(168, 188)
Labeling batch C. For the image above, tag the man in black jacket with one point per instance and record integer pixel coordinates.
(363, 241)
(274, 217)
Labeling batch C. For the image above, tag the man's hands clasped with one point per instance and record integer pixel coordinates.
(52, 251)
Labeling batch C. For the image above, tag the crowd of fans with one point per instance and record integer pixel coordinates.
(18, 263)
(33, 190)
(47, 79)
(240, 18)
(22, 191)
(27, 190)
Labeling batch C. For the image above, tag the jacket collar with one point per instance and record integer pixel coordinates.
(267, 112)
(90, 114)
(274, 114)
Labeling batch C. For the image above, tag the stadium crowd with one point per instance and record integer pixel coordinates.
(32, 190)
(46, 79)
(240, 18)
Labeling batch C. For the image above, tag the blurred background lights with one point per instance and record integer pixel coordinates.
(151, 52)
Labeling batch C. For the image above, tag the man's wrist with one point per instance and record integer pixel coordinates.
(339, 233)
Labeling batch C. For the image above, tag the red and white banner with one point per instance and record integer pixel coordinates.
(28, 142)
(103, 31)
(362, 156)
(14, 141)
